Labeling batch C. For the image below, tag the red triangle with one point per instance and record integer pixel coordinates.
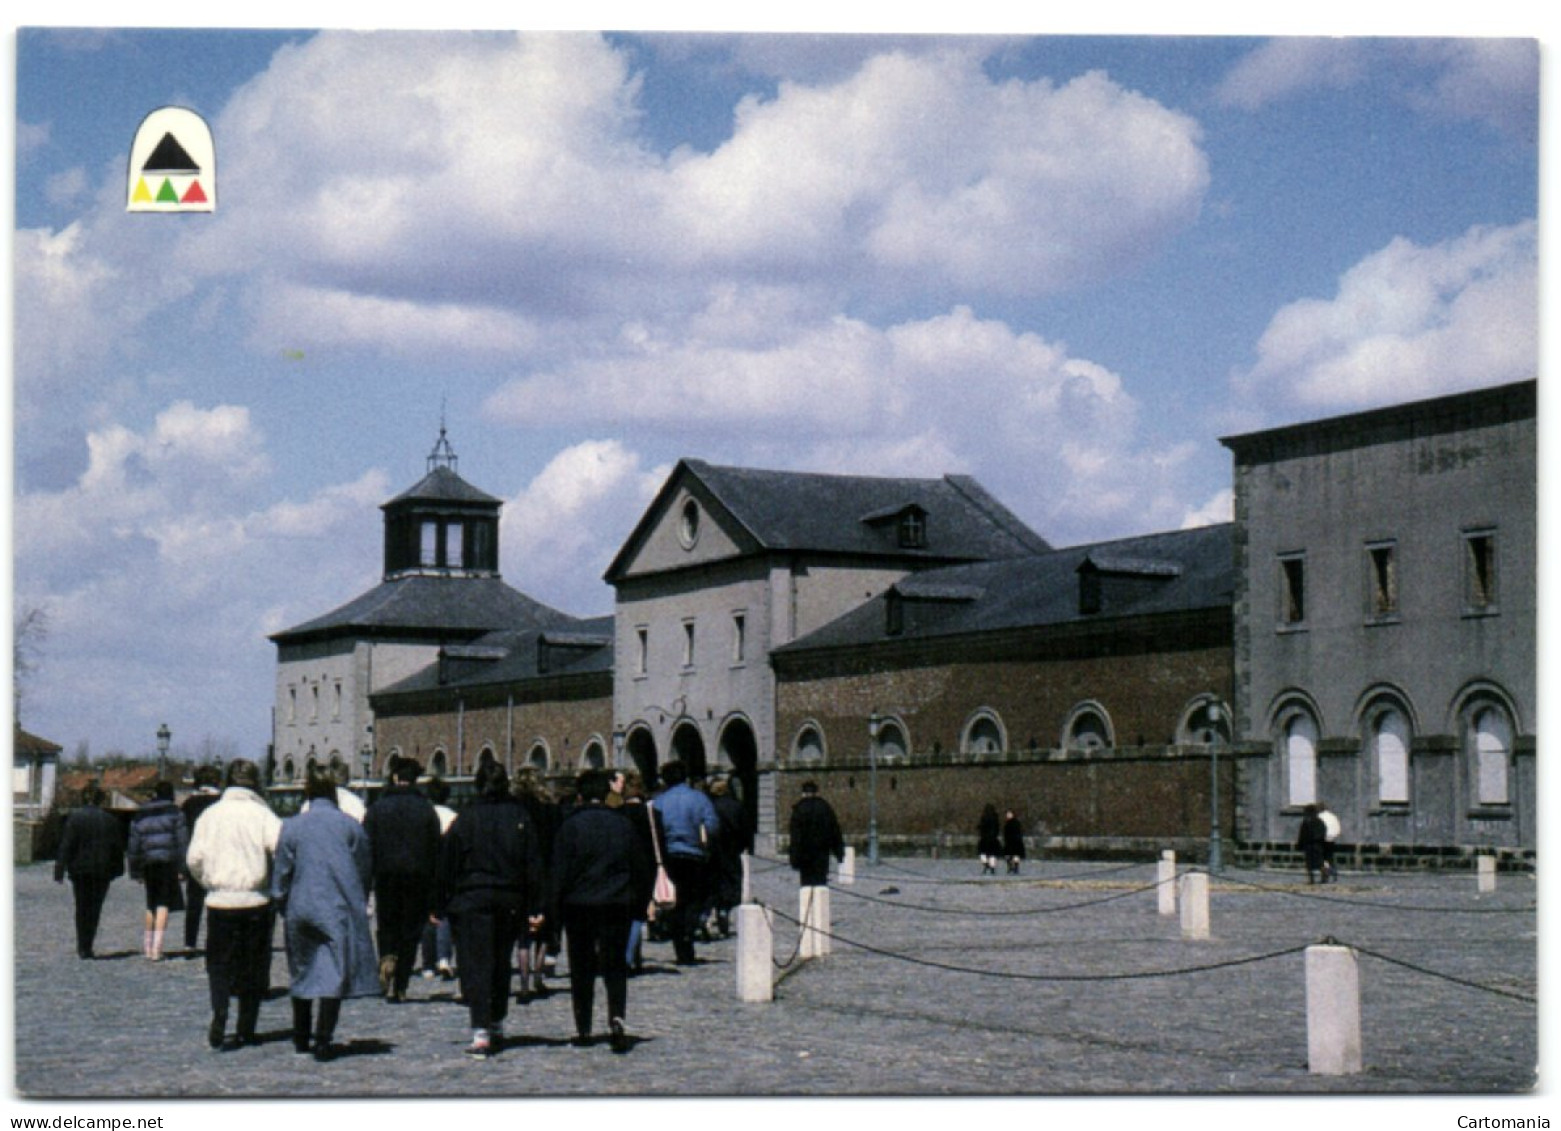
(193, 194)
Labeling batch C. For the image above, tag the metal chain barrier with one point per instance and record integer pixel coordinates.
(1009, 912)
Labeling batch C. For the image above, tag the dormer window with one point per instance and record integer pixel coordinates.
(913, 529)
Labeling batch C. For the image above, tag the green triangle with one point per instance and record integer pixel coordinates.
(166, 195)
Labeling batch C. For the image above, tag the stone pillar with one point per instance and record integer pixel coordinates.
(1195, 905)
(1332, 1011)
(813, 913)
(1166, 875)
(747, 878)
(848, 867)
(755, 953)
(1486, 873)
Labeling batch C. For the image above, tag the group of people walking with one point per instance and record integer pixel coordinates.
(503, 883)
(999, 840)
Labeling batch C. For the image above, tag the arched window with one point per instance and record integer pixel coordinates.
(1299, 737)
(1490, 744)
(1204, 721)
(809, 746)
(983, 735)
(1388, 736)
(537, 756)
(594, 756)
(439, 765)
(892, 744)
(1089, 728)
(289, 770)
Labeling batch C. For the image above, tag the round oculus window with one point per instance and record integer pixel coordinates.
(688, 525)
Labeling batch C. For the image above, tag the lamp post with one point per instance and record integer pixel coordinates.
(164, 737)
(874, 724)
(1215, 714)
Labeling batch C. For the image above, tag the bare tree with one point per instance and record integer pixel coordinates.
(29, 630)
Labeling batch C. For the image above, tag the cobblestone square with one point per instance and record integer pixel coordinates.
(1063, 981)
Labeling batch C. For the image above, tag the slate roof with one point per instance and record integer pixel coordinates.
(443, 485)
(453, 606)
(1042, 590)
(512, 656)
(851, 514)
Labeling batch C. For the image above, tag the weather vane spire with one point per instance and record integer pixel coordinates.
(443, 454)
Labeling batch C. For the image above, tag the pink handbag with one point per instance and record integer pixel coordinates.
(663, 895)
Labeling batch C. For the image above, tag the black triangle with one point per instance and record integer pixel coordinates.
(169, 157)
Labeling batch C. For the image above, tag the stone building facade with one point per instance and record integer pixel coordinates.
(1385, 625)
(1084, 688)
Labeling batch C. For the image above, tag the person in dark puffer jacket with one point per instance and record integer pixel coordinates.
(158, 839)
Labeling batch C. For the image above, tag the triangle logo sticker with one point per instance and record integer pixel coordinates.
(173, 150)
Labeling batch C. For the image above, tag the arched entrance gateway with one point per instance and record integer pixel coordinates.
(688, 747)
(641, 747)
(739, 750)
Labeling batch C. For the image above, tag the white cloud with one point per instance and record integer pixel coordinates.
(1495, 81)
(561, 531)
(1284, 67)
(1221, 507)
(1407, 322)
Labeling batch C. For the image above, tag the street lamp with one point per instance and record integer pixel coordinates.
(874, 725)
(164, 737)
(1215, 714)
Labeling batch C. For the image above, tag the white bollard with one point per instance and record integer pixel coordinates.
(1332, 1011)
(1195, 905)
(1166, 876)
(747, 878)
(755, 953)
(848, 866)
(813, 913)
(1486, 875)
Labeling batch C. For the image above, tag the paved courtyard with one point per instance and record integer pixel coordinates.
(1051, 983)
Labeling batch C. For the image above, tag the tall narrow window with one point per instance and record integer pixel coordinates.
(292, 704)
(314, 703)
(1480, 570)
(454, 548)
(739, 637)
(688, 644)
(1492, 744)
(641, 650)
(428, 547)
(1300, 739)
(1390, 751)
(1292, 589)
(336, 700)
(1382, 581)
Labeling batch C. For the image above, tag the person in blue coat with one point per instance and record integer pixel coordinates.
(320, 884)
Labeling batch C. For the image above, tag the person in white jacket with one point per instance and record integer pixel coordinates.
(230, 855)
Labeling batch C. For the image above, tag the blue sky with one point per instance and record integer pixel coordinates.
(1064, 265)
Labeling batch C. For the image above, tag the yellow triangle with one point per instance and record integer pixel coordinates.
(142, 195)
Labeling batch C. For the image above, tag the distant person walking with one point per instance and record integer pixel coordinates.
(92, 854)
(989, 844)
(599, 869)
(208, 788)
(1013, 841)
(491, 887)
(158, 839)
(1311, 839)
(1330, 842)
(324, 867)
(403, 834)
(230, 856)
(639, 816)
(815, 837)
(691, 825)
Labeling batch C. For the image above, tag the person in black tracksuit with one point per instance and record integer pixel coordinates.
(403, 832)
(599, 868)
(491, 883)
(92, 853)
